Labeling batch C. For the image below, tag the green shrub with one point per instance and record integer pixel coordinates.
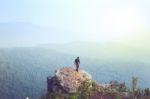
(118, 97)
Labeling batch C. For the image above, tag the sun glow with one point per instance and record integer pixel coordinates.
(120, 23)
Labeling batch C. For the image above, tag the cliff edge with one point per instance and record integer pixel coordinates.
(67, 80)
(67, 83)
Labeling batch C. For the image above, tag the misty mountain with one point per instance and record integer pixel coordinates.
(105, 51)
(23, 34)
(23, 71)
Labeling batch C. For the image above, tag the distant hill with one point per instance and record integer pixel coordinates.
(23, 34)
(18, 34)
(104, 51)
(23, 71)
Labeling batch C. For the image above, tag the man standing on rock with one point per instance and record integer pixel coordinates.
(77, 62)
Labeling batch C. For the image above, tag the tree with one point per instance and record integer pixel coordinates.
(134, 86)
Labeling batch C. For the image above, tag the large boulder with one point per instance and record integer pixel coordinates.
(67, 79)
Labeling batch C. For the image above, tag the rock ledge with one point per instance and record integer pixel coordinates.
(67, 80)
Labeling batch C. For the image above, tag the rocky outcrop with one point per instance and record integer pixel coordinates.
(67, 80)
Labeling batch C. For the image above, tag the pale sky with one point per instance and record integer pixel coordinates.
(77, 20)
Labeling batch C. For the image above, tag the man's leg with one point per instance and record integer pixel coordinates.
(77, 67)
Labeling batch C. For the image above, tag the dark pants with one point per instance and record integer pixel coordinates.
(77, 67)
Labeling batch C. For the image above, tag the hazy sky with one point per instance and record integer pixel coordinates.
(77, 20)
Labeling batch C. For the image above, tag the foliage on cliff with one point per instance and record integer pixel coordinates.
(89, 89)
